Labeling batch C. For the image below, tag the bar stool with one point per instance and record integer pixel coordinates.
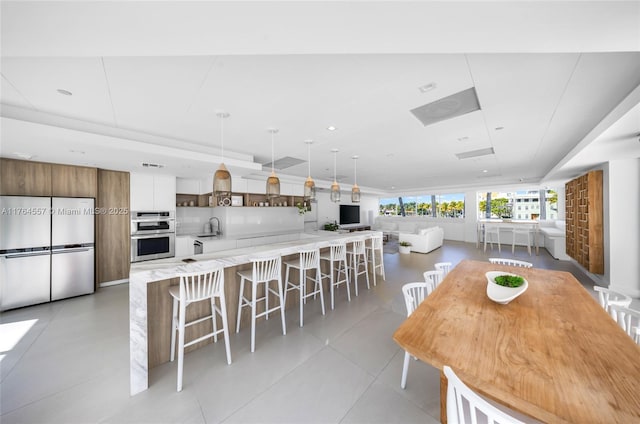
(373, 251)
(194, 287)
(357, 258)
(491, 230)
(263, 270)
(521, 229)
(338, 256)
(308, 260)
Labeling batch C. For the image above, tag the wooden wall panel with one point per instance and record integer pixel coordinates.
(584, 218)
(113, 236)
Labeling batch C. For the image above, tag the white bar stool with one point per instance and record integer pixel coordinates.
(491, 230)
(194, 287)
(523, 230)
(308, 260)
(373, 252)
(357, 258)
(338, 256)
(264, 270)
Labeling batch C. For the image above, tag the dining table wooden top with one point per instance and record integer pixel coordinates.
(552, 353)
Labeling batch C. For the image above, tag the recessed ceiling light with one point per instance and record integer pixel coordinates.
(393, 187)
(484, 171)
(499, 128)
(427, 87)
(64, 92)
(331, 128)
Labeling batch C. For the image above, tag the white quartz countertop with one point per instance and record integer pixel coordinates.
(208, 236)
(161, 269)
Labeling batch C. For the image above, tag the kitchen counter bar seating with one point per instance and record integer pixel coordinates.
(308, 261)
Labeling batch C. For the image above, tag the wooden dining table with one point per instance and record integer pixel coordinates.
(552, 353)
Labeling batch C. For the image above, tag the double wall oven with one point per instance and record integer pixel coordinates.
(153, 235)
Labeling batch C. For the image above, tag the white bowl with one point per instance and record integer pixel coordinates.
(502, 294)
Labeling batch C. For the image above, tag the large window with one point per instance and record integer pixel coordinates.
(523, 204)
(437, 205)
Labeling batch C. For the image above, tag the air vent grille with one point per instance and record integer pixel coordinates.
(457, 104)
(475, 153)
(152, 165)
(283, 163)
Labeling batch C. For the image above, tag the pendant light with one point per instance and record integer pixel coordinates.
(335, 188)
(273, 183)
(355, 190)
(309, 185)
(222, 177)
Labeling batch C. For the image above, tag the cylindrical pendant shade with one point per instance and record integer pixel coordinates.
(335, 192)
(273, 186)
(355, 194)
(310, 189)
(222, 182)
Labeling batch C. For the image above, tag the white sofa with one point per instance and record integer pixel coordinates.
(555, 237)
(424, 240)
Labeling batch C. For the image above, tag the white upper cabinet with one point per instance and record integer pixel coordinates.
(256, 186)
(187, 186)
(152, 192)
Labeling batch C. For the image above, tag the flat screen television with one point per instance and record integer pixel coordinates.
(349, 214)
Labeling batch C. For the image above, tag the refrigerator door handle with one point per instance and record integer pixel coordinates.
(26, 254)
(77, 249)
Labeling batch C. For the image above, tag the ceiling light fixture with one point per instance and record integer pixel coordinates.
(335, 188)
(222, 177)
(273, 183)
(331, 128)
(355, 190)
(427, 87)
(309, 185)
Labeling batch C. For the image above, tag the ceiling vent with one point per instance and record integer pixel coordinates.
(448, 107)
(283, 163)
(475, 153)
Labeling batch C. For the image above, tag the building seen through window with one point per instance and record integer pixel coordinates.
(522, 204)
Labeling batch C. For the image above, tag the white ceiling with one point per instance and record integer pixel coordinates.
(561, 78)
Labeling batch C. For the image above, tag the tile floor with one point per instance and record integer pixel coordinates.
(72, 363)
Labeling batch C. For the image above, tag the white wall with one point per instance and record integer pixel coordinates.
(623, 208)
(329, 211)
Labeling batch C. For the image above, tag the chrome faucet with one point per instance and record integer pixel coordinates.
(218, 230)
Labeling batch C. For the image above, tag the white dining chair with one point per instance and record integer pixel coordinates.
(433, 277)
(194, 287)
(414, 294)
(445, 267)
(628, 319)
(610, 297)
(465, 406)
(511, 262)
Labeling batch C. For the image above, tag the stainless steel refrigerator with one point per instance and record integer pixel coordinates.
(46, 249)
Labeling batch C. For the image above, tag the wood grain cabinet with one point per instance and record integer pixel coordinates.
(24, 178)
(584, 219)
(113, 245)
(73, 181)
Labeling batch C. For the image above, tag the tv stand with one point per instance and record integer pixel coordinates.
(355, 227)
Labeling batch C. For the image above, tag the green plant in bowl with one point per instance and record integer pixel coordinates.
(509, 280)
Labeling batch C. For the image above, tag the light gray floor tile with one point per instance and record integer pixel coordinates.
(380, 404)
(363, 343)
(321, 390)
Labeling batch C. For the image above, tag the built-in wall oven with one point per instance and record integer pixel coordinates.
(153, 235)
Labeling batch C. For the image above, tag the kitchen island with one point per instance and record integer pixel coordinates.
(150, 307)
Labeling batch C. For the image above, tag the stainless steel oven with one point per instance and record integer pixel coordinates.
(153, 235)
